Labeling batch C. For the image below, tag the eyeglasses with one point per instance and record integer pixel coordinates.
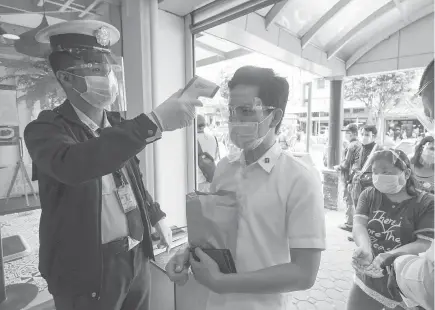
(425, 85)
(245, 110)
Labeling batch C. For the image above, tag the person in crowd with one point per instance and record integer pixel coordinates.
(426, 90)
(363, 174)
(96, 218)
(281, 212)
(348, 162)
(391, 217)
(423, 164)
(208, 146)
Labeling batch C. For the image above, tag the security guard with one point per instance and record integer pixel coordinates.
(95, 243)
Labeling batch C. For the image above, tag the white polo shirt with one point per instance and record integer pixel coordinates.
(281, 208)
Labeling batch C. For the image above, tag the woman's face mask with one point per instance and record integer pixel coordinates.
(389, 184)
(246, 135)
(101, 91)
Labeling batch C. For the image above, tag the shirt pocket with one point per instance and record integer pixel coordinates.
(108, 184)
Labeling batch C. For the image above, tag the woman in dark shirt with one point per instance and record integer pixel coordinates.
(422, 164)
(390, 217)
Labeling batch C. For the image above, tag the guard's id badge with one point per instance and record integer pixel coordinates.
(126, 198)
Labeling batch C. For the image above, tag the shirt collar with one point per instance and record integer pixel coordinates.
(267, 161)
(90, 123)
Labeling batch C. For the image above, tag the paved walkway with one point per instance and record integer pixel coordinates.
(335, 275)
(329, 292)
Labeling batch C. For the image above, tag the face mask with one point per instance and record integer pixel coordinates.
(389, 184)
(101, 91)
(366, 140)
(245, 135)
(427, 157)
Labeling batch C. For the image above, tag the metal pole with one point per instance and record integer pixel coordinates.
(2, 273)
(309, 116)
(153, 12)
(191, 147)
(335, 122)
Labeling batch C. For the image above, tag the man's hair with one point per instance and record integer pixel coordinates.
(371, 128)
(426, 74)
(272, 89)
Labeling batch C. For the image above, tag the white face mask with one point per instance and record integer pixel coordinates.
(245, 135)
(366, 140)
(389, 184)
(101, 91)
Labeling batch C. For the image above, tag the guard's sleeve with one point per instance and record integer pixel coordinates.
(55, 151)
(305, 217)
(364, 203)
(424, 227)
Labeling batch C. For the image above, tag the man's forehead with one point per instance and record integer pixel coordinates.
(243, 94)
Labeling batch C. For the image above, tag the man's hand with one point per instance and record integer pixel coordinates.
(177, 268)
(175, 112)
(165, 234)
(206, 271)
(337, 168)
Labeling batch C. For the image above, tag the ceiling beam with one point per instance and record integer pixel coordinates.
(306, 38)
(66, 5)
(386, 33)
(209, 48)
(90, 7)
(274, 13)
(401, 9)
(349, 36)
(229, 55)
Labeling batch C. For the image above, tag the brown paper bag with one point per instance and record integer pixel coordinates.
(212, 220)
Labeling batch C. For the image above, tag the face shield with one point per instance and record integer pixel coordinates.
(103, 74)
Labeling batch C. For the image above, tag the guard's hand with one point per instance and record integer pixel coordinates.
(206, 271)
(176, 112)
(165, 234)
(177, 268)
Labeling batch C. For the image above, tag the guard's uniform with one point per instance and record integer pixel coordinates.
(95, 242)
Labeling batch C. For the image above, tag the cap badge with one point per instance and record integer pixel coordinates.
(103, 36)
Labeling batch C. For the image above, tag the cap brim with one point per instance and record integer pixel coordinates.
(86, 27)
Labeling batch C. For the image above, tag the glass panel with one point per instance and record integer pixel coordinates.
(345, 20)
(301, 15)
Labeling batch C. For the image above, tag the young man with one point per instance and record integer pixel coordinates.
(95, 242)
(348, 162)
(281, 231)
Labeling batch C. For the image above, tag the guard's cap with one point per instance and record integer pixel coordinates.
(79, 34)
(353, 128)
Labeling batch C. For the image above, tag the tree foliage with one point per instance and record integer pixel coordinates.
(381, 92)
(36, 81)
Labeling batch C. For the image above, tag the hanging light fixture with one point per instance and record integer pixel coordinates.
(7, 35)
(28, 45)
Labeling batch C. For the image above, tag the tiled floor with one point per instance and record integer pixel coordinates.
(329, 292)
